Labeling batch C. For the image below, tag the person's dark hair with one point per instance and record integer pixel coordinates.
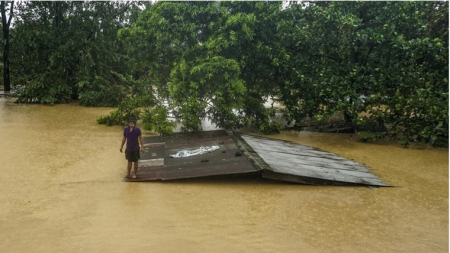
(132, 119)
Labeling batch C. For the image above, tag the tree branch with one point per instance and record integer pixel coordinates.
(11, 13)
(2, 8)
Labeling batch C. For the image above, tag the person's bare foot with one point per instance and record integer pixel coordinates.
(127, 176)
(134, 176)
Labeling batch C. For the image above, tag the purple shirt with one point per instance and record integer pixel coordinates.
(132, 138)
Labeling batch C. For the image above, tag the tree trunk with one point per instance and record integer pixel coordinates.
(348, 119)
(6, 24)
(6, 79)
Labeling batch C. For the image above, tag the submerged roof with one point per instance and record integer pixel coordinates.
(157, 164)
(243, 154)
(303, 164)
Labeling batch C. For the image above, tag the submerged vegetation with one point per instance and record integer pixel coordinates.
(224, 60)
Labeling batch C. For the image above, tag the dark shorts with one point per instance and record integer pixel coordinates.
(132, 156)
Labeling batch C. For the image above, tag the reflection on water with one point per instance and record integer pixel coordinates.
(61, 191)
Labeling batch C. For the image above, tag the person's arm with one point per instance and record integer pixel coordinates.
(123, 142)
(142, 143)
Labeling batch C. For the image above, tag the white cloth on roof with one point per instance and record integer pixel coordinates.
(201, 150)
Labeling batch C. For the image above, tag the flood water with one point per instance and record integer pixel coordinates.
(61, 190)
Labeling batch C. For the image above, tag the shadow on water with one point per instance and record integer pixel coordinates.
(244, 179)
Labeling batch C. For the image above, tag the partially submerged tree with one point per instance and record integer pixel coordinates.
(385, 59)
(207, 59)
(223, 60)
(6, 24)
(69, 50)
(373, 62)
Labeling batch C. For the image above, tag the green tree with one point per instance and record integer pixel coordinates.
(382, 63)
(207, 59)
(383, 58)
(69, 50)
(245, 34)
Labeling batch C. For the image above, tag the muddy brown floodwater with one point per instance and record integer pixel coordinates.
(61, 191)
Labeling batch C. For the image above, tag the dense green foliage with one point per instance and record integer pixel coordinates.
(154, 119)
(128, 107)
(157, 120)
(207, 60)
(69, 50)
(388, 59)
(376, 63)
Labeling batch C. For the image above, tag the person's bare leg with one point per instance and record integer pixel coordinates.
(136, 164)
(128, 169)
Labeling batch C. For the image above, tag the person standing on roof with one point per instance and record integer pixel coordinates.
(131, 135)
